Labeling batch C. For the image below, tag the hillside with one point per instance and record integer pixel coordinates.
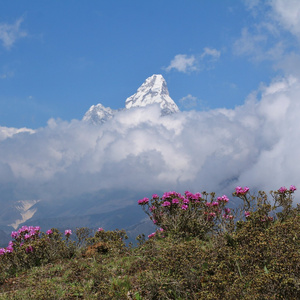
(254, 256)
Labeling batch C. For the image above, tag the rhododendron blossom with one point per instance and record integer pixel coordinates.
(143, 201)
(184, 207)
(151, 235)
(68, 232)
(224, 199)
(282, 190)
(247, 214)
(14, 234)
(241, 191)
(166, 204)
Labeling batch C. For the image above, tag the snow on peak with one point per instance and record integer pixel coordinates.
(153, 90)
(98, 114)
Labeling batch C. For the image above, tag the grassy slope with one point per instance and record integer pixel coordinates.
(253, 263)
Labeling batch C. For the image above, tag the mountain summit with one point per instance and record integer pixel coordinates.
(98, 114)
(153, 90)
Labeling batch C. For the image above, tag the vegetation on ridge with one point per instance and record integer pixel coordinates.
(202, 249)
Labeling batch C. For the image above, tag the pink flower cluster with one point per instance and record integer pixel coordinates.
(8, 249)
(172, 205)
(241, 191)
(143, 201)
(24, 234)
(227, 214)
(174, 198)
(283, 189)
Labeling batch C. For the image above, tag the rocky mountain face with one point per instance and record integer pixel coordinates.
(153, 91)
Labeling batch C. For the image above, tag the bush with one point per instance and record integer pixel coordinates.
(188, 215)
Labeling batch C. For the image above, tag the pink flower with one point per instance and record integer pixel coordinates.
(100, 229)
(49, 232)
(166, 203)
(143, 201)
(14, 234)
(241, 191)
(68, 232)
(282, 190)
(186, 201)
(215, 203)
(247, 214)
(175, 201)
(184, 207)
(27, 236)
(292, 188)
(152, 208)
(9, 249)
(151, 235)
(192, 196)
(155, 196)
(224, 199)
(227, 210)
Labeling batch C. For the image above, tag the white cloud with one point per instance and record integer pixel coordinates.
(139, 152)
(288, 14)
(189, 63)
(183, 63)
(10, 33)
(213, 53)
(271, 34)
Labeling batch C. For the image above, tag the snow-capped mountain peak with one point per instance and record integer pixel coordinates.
(98, 114)
(153, 90)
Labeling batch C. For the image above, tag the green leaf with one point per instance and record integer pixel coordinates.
(266, 270)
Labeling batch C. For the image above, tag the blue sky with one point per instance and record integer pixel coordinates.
(233, 68)
(57, 58)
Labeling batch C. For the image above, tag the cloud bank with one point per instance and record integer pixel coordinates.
(256, 144)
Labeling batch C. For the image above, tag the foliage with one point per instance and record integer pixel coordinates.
(253, 255)
(187, 215)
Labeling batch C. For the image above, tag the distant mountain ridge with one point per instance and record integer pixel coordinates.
(153, 91)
